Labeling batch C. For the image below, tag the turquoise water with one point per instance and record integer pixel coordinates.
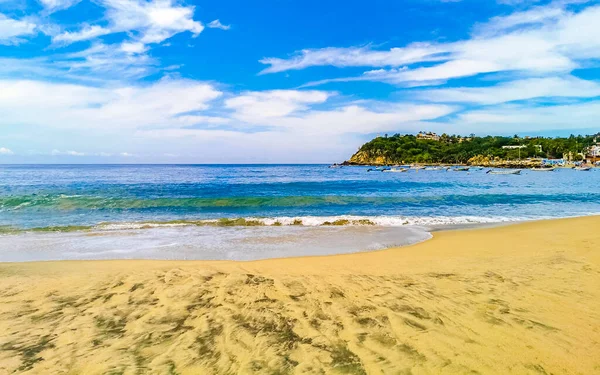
(159, 201)
(43, 196)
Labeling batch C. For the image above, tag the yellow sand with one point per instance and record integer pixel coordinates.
(522, 299)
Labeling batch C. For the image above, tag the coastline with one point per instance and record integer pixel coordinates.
(250, 239)
(519, 298)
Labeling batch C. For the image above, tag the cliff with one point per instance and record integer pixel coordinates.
(365, 158)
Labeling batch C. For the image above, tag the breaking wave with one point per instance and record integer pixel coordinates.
(305, 221)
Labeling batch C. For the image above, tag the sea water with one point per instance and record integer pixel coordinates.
(247, 212)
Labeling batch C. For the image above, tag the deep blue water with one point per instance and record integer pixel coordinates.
(60, 195)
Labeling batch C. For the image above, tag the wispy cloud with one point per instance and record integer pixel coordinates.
(112, 61)
(56, 152)
(541, 15)
(85, 33)
(148, 21)
(216, 24)
(11, 30)
(531, 88)
(538, 41)
(54, 5)
(356, 57)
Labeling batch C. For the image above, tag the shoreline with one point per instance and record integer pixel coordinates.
(515, 299)
(181, 241)
(500, 166)
(431, 230)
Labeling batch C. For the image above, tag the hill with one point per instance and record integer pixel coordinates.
(453, 149)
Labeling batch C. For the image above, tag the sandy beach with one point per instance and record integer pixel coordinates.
(518, 299)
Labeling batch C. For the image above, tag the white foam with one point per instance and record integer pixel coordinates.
(343, 220)
(390, 221)
(206, 242)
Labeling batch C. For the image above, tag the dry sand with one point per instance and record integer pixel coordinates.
(521, 299)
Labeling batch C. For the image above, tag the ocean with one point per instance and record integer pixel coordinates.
(247, 212)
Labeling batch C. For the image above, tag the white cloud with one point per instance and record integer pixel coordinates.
(355, 56)
(275, 103)
(294, 111)
(360, 119)
(216, 24)
(68, 106)
(143, 22)
(187, 118)
(536, 42)
(86, 33)
(56, 152)
(133, 48)
(12, 29)
(207, 121)
(110, 61)
(178, 104)
(532, 17)
(511, 118)
(566, 87)
(199, 145)
(54, 5)
(149, 21)
(99, 64)
(6, 151)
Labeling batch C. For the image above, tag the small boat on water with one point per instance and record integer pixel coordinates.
(378, 169)
(417, 167)
(434, 168)
(396, 170)
(515, 171)
(461, 169)
(335, 166)
(542, 169)
(585, 169)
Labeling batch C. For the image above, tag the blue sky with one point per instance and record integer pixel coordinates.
(134, 81)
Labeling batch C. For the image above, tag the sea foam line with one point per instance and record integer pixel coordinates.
(302, 221)
(315, 221)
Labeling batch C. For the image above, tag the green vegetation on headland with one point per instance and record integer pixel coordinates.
(429, 148)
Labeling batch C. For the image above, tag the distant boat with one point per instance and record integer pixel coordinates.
(335, 166)
(396, 170)
(417, 167)
(583, 168)
(516, 171)
(378, 169)
(433, 168)
(542, 169)
(461, 169)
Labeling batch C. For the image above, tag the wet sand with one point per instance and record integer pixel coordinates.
(518, 299)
